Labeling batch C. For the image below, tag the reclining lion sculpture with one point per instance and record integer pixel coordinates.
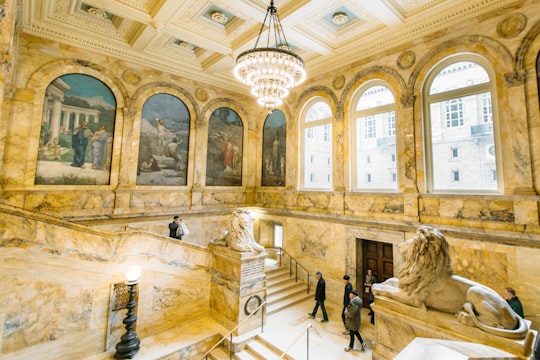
(239, 235)
(427, 280)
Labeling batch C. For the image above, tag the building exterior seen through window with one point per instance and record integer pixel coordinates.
(459, 133)
(317, 146)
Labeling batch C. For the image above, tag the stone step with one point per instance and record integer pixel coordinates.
(291, 291)
(272, 347)
(219, 354)
(281, 304)
(244, 355)
(282, 287)
(261, 351)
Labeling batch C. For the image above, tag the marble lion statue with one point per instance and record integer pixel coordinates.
(239, 235)
(427, 280)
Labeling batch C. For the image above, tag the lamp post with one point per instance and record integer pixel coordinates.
(129, 343)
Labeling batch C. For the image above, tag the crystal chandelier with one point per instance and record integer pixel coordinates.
(270, 71)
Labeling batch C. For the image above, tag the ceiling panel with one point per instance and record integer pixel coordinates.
(200, 39)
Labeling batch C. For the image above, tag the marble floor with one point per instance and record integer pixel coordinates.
(326, 341)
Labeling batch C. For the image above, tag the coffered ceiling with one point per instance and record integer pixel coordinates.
(200, 39)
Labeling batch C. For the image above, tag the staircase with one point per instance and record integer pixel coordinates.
(281, 291)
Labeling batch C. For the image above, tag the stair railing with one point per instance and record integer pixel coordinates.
(292, 260)
(230, 333)
(296, 340)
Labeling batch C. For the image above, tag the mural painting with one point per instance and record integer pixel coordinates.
(224, 154)
(274, 149)
(75, 142)
(164, 142)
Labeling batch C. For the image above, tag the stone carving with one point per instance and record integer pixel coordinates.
(427, 280)
(406, 60)
(201, 95)
(515, 78)
(131, 77)
(239, 235)
(338, 82)
(512, 25)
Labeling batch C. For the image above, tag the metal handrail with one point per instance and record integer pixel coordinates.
(205, 356)
(296, 339)
(297, 264)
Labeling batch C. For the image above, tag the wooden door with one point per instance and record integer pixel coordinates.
(377, 256)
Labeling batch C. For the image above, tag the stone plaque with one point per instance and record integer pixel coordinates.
(251, 305)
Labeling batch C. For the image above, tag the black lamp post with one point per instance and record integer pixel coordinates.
(129, 343)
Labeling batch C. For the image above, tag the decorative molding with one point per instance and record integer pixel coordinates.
(201, 95)
(407, 100)
(338, 82)
(131, 77)
(2, 11)
(5, 63)
(515, 78)
(512, 25)
(406, 60)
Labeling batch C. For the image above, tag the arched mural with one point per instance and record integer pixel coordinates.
(75, 143)
(164, 141)
(274, 149)
(224, 152)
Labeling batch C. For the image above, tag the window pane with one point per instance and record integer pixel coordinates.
(317, 157)
(462, 144)
(457, 76)
(375, 168)
(319, 111)
(375, 96)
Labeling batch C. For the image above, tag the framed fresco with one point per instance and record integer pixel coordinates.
(164, 142)
(224, 150)
(75, 142)
(274, 152)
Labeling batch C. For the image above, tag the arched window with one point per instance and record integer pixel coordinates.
(374, 139)
(460, 142)
(316, 146)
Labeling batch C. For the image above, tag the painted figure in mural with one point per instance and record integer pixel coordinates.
(98, 147)
(148, 164)
(275, 159)
(79, 141)
(162, 137)
(228, 154)
(52, 151)
(171, 150)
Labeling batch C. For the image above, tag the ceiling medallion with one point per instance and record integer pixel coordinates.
(185, 45)
(219, 17)
(270, 71)
(97, 12)
(340, 18)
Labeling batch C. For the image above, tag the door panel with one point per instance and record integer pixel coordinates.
(377, 256)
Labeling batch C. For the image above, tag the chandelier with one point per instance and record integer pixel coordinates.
(270, 71)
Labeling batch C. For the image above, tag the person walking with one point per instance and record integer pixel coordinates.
(513, 301)
(352, 319)
(320, 297)
(346, 299)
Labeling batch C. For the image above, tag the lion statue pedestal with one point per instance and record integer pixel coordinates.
(398, 324)
(428, 300)
(238, 283)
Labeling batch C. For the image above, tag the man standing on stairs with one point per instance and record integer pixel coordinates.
(346, 299)
(320, 297)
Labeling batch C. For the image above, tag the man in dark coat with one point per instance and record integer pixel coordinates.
(320, 297)
(175, 228)
(346, 299)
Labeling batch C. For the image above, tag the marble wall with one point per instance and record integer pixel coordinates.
(57, 278)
